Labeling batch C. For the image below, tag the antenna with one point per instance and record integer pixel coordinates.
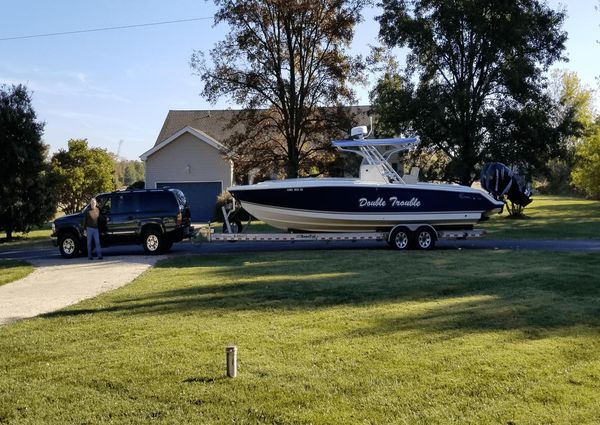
(117, 161)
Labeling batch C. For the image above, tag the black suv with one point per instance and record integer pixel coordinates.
(156, 218)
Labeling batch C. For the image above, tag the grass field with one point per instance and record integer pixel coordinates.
(352, 336)
(11, 270)
(33, 239)
(550, 217)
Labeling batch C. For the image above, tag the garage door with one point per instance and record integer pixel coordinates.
(202, 197)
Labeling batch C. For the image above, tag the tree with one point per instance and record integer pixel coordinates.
(26, 194)
(286, 62)
(586, 172)
(140, 184)
(575, 108)
(127, 171)
(473, 85)
(82, 172)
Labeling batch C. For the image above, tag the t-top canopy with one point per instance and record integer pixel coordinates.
(373, 142)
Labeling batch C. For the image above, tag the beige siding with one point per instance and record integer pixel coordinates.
(187, 159)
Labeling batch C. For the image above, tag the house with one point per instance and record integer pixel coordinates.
(189, 155)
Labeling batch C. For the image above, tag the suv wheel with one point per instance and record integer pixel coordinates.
(153, 241)
(68, 245)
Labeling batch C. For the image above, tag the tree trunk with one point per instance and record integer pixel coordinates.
(8, 223)
(466, 179)
(291, 169)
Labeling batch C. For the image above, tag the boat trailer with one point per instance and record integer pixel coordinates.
(400, 237)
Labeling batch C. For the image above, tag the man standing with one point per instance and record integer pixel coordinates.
(90, 225)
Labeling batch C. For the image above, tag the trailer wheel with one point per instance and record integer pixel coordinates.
(400, 238)
(424, 238)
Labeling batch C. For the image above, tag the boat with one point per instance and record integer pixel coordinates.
(378, 200)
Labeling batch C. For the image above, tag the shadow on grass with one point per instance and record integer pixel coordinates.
(534, 316)
(7, 264)
(476, 291)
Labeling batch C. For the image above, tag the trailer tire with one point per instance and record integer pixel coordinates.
(400, 238)
(424, 238)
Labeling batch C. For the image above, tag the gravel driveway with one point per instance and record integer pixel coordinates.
(56, 283)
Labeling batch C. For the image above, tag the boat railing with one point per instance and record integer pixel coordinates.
(372, 156)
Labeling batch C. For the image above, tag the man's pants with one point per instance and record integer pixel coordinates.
(93, 234)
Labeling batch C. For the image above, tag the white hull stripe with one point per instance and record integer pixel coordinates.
(286, 218)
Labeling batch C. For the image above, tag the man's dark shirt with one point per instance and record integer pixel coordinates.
(91, 218)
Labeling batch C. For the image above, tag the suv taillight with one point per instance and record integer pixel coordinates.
(179, 219)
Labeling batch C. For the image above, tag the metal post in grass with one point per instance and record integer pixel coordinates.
(231, 355)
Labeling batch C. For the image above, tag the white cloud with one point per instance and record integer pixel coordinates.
(59, 83)
(81, 77)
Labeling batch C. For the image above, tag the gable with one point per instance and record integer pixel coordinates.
(199, 135)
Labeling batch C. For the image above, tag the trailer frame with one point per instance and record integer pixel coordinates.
(402, 236)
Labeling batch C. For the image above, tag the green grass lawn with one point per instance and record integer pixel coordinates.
(33, 239)
(348, 336)
(550, 217)
(11, 270)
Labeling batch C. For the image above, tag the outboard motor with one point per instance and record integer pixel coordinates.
(500, 181)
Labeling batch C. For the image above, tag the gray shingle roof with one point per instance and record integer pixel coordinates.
(215, 123)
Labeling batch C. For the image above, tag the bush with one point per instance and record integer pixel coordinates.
(586, 173)
(140, 184)
(556, 179)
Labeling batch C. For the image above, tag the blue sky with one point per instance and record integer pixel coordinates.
(119, 85)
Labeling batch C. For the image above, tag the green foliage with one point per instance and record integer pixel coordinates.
(555, 178)
(576, 108)
(139, 184)
(586, 172)
(82, 173)
(323, 337)
(575, 98)
(288, 64)
(27, 195)
(128, 172)
(473, 86)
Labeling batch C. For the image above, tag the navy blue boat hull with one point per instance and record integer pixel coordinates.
(363, 207)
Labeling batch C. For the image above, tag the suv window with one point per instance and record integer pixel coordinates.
(180, 197)
(158, 201)
(104, 203)
(122, 203)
